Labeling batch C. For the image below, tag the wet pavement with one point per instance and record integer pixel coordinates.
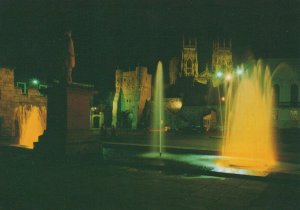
(193, 147)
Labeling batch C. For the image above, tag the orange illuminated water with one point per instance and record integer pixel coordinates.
(248, 138)
(31, 123)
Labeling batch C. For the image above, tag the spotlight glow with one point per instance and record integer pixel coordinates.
(219, 74)
(35, 81)
(228, 77)
(239, 71)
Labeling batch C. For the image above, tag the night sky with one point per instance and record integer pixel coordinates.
(110, 34)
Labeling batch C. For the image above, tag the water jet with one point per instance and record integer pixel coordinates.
(248, 140)
(158, 110)
(31, 123)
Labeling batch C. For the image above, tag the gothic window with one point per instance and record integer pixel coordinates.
(276, 89)
(294, 95)
(189, 65)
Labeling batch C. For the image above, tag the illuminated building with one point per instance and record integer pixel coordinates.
(222, 57)
(189, 59)
(205, 90)
(133, 90)
(286, 84)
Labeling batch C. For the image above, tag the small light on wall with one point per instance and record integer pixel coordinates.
(93, 108)
(35, 82)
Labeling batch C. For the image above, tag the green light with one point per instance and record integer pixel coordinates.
(239, 71)
(219, 74)
(35, 81)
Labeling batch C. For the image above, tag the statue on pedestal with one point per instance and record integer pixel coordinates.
(70, 57)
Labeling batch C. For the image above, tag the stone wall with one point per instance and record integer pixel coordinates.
(10, 98)
(7, 104)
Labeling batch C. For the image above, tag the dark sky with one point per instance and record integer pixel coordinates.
(112, 33)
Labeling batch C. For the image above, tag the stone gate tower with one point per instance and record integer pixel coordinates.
(189, 60)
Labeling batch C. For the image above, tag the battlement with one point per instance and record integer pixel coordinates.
(6, 76)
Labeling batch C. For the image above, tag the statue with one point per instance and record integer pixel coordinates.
(70, 57)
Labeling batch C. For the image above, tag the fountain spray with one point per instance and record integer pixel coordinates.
(158, 109)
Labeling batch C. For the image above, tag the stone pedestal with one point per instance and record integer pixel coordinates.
(68, 122)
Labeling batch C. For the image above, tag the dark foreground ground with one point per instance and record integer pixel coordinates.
(98, 184)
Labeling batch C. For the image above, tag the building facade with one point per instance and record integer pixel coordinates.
(286, 83)
(222, 57)
(133, 90)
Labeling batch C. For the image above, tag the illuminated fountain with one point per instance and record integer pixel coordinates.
(31, 123)
(158, 110)
(248, 137)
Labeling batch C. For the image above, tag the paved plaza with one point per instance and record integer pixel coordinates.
(94, 183)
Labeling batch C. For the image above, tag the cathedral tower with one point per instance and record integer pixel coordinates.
(222, 57)
(189, 60)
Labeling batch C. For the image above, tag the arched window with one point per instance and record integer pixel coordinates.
(294, 95)
(189, 65)
(276, 89)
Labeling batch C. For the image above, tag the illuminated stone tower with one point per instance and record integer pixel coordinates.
(133, 90)
(222, 57)
(189, 60)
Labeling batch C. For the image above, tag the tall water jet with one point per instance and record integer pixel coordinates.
(248, 138)
(31, 123)
(158, 110)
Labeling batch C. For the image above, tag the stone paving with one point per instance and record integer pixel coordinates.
(97, 185)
